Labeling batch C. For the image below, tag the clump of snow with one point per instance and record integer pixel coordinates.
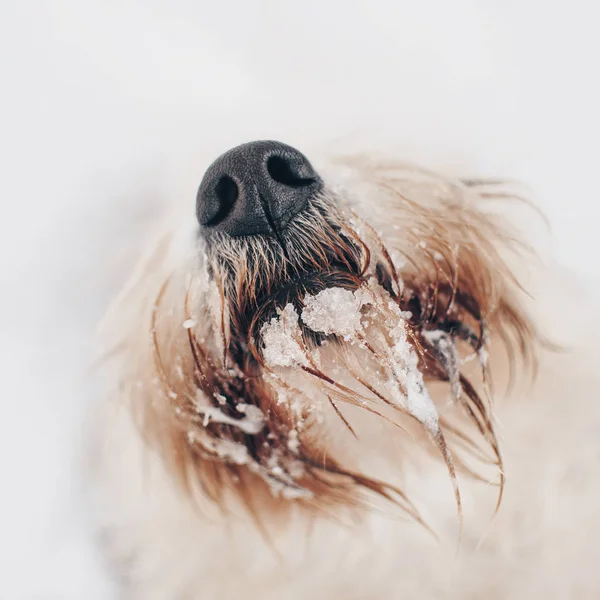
(293, 442)
(228, 450)
(482, 355)
(403, 364)
(281, 474)
(335, 311)
(280, 338)
(447, 353)
(220, 399)
(189, 323)
(252, 422)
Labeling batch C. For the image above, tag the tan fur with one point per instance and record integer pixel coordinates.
(187, 516)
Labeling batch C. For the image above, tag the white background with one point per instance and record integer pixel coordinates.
(106, 106)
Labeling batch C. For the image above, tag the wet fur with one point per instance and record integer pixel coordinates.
(201, 509)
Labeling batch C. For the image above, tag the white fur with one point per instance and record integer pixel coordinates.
(542, 543)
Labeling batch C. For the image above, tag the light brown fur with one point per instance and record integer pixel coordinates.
(188, 334)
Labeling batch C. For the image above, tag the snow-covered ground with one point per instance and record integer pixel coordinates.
(108, 106)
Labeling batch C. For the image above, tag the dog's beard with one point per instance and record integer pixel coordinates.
(258, 275)
(239, 392)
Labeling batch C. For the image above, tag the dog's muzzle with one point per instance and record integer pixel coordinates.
(256, 189)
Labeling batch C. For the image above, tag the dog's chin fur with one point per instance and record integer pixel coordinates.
(347, 463)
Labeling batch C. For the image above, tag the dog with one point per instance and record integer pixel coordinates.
(348, 386)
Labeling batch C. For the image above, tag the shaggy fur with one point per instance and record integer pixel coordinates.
(226, 473)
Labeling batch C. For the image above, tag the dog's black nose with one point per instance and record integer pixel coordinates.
(256, 188)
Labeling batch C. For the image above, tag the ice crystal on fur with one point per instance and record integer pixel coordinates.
(449, 358)
(334, 310)
(231, 452)
(252, 423)
(403, 363)
(280, 338)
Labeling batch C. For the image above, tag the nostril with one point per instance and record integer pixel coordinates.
(255, 189)
(227, 193)
(284, 171)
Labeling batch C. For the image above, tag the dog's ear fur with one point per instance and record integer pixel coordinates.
(181, 340)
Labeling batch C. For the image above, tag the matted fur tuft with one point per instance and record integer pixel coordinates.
(232, 427)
